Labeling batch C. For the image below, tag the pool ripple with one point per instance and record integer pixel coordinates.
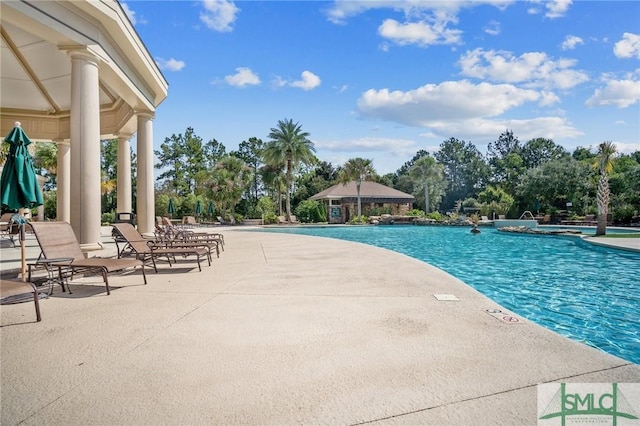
(588, 293)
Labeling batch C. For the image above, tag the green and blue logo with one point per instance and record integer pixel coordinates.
(588, 403)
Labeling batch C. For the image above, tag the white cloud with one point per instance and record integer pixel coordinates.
(557, 8)
(619, 93)
(492, 28)
(309, 81)
(481, 130)
(628, 47)
(464, 109)
(421, 33)
(570, 42)
(426, 22)
(394, 146)
(533, 68)
(243, 77)
(627, 148)
(342, 10)
(170, 64)
(219, 15)
(130, 13)
(450, 100)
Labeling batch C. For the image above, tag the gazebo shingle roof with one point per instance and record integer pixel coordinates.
(371, 191)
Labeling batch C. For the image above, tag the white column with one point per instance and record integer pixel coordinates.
(124, 174)
(145, 206)
(85, 148)
(63, 182)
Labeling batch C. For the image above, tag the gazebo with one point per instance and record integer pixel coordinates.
(73, 73)
(341, 200)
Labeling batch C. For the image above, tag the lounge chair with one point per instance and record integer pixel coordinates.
(57, 241)
(10, 288)
(188, 239)
(169, 231)
(7, 228)
(190, 221)
(146, 250)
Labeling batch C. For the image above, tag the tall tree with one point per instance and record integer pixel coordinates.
(464, 169)
(251, 153)
(537, 151)
(427, 173)
(182, 159)
(606, 151)
(505, 158)
(228, 181)
(46, 160)
(358, 170)
(289, 145)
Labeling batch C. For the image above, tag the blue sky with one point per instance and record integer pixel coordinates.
(384, 79)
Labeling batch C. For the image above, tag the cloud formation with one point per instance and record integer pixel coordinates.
(464, 108)
(170, 64)
(619, 93)
(219, 15)
(308, 81)
(242, 78)
(628, 47)
(535, 69)
(570, 42)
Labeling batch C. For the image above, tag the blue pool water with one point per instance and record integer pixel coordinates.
(587, 293)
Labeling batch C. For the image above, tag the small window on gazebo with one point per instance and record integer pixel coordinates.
(335, 202)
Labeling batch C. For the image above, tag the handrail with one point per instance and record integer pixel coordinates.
(524, 216)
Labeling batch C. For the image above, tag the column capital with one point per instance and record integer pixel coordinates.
(81, 52)
(124, 136)
(149, 115)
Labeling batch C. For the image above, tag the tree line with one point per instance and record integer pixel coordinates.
(265, 179)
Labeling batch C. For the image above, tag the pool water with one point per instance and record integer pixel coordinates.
(588, 293)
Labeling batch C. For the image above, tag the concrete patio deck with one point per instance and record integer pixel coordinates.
(281, 329)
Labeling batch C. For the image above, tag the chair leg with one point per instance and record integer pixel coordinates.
(106, 280)
(36, 301)
(143, 274)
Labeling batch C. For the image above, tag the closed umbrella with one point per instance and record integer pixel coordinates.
(198, 208)
(210, 210)
(18, 183)
(171, 208)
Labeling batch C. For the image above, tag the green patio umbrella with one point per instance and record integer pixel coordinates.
(18, 183)
(198, 208)
(210, 210)
(171, 208)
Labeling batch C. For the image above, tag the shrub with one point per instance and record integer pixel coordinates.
(416, 212)
(270, 218)
(437, 216)
(310, 211)
(108, 218)
(358, 220)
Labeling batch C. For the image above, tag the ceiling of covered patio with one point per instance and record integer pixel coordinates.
(35, 68)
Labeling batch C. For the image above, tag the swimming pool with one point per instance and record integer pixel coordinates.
(585, 292)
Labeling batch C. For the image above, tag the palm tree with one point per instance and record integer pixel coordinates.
(358, 169)
(429, 174)
(606, 150)
(289, 146)
(228, 181)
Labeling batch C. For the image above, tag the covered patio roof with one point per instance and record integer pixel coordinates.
(372, 192)
(35, 68)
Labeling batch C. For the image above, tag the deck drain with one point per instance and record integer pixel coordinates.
(503, 316)
(445, 297)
